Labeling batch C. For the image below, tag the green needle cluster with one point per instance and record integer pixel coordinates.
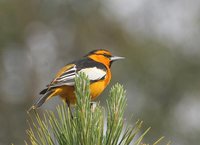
(89, 125)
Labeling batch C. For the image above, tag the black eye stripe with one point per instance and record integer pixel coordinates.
(106, 55)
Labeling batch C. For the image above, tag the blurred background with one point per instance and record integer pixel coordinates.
(161, 73)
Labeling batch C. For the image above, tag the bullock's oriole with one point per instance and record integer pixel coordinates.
(96, 65)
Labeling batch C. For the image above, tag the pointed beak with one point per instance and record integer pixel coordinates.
(114, 58)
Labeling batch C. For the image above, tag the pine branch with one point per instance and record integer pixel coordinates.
(88, 127)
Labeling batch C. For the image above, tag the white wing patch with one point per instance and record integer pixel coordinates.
(94, 73)
(67, 78)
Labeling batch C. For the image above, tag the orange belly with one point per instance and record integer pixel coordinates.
(96, 89)
(67, 92)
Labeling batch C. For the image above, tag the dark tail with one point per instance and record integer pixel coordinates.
(41, 100)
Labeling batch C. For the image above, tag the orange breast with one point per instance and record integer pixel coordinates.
(97, 88)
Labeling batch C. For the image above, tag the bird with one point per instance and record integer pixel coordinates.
(96, 65)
